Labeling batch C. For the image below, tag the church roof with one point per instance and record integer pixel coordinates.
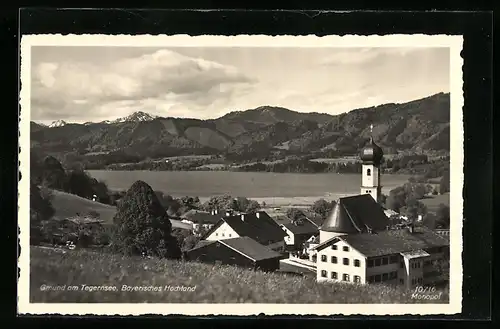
(391, 242)
(372, 153)
(356, 214)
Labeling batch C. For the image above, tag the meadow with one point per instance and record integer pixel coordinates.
(210, 283)
(255, 185)
(68, 205)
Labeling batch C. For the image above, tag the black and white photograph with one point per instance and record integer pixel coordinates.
(277, 175)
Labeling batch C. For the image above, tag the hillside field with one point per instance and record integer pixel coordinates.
(68, 205)
(214, 284)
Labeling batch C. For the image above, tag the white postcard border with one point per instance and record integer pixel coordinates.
(454, 43)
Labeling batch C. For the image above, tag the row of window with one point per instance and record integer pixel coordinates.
(344, 248)
(345, 277)
(383, 277)
(416, 281)
(383, 261)
(345, 261)
(415, 265)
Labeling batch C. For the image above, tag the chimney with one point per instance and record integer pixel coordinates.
(257, 214)
(213, 212)
(216, 211)
(243, 217)
(228, 213)
(411, 228)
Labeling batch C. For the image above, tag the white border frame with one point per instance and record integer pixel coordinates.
(454, 43)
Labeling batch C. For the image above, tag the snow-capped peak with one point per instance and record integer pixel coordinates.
(136, 117)
(58, 123)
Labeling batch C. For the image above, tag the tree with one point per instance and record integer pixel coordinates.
(444, 185)
(79, 183)
(219, 202)
(322, 207)
(53, 174)
(295, 215)
(142, 225)
(40, 210)
(413, 209)
(443, 216)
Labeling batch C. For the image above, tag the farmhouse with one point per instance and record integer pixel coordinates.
(202, 219)
(298, 233)
(257, 226)
(358, 242)
(240, 251)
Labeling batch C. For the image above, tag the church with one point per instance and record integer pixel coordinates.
(358, 244)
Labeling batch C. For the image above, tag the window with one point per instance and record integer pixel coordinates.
(334, 275)
(346, 261)
(370, 263)
(385, 261)
(402, 265)
(378, 278)
(323, 273)
(401, 281)
(345, 248)
(385, 277)
(216, 234)
(393, 259)
(229, 234)
(345, 277)
(377, 262)
(357, 279)
(334, 247)
(371, 279)
(393, 275)
(315, 258)
(368, 172)
(357, 263)
(323, 258)
(419, 280)
(222, 234)
(418, 264)
(334, 260)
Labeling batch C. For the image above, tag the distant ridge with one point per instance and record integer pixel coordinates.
(417, 126)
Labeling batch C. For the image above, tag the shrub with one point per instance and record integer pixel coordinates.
(322, 207)
(40, 210)
(142, 225)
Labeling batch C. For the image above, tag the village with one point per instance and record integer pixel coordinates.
(359, 242)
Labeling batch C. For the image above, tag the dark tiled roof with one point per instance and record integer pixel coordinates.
(263, 229)
(205, 218)
(315, 220)
(202, 243)
(394, 241)
(250, 248)
(305, 228)
(356, 214)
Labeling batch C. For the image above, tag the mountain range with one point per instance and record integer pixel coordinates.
(417, 126)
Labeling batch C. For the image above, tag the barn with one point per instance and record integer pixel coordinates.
(241, 251)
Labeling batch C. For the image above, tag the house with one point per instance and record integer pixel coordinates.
(405, 256)
(297, 233)
(240, 251)
(202, 219)
(258, 226)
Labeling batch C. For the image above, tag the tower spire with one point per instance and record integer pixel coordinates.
(371, 132)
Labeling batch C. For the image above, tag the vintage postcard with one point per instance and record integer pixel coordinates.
(241, 175)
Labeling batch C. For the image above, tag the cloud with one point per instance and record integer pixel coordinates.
(76, 90)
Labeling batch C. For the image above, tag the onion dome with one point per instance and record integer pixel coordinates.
(372, 153)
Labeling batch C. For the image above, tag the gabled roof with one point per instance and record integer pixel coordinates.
(263, 229)
(250, 248)
(244, 245)
(356, 214)
(205, 218)
(390, 241)
(305, 227)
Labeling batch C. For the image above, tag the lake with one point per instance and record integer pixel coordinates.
(248, 184)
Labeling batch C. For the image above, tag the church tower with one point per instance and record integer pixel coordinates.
(371, 157)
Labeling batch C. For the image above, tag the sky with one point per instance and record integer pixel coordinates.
(81, 84)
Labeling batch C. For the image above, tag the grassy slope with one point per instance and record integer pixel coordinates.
(432, 202)
(67, 205)
(214, 284)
